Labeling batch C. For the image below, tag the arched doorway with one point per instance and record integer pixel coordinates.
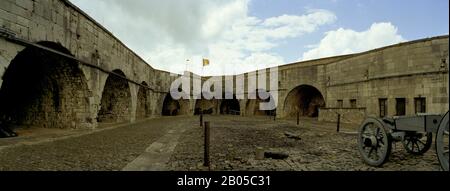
(44, 89)
(116, 99)
(142, 109)
(205, 106)
(230, 107)
(253, 105)
(173, 107)
(304, 99)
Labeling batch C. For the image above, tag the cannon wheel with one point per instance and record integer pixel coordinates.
(418, 143)
(374, 142)
(442, 143)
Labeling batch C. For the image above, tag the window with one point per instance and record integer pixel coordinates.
(420, 105)
(401, 106)
(340, 103)
(353, 103)
(383, 107)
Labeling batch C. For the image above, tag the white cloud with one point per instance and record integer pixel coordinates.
(169, 32)
(293, 26)
(346, 41)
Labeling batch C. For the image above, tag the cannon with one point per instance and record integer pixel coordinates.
(376, 136)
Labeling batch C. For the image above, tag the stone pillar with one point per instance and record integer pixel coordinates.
(134, 92)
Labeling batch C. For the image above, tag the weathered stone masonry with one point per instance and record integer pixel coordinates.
(99, 79)
(60, 23)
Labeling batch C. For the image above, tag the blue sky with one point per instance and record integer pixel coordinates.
(243, 35)
(415, 19)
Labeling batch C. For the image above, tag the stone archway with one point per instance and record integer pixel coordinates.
(116, 99)
(230, 107)
(173, 107)
(44, 89)
(304, 99)
(205, 106)
(142, 108)
(253, 105)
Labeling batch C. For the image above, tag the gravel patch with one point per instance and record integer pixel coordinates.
(234, 143)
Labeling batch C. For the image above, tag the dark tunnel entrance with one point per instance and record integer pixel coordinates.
(142, 109)
(116, 99)
(204, 106)
(173, 107)
(44, 89)
(230, 107)
(304, 99)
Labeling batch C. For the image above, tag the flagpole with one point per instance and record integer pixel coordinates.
(203, 67)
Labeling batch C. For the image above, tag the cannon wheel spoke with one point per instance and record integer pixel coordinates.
(418, 146)
(408, 144)
(418, 143)
(421, 142)
(370, 152)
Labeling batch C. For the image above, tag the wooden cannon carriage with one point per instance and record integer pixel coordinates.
(416, 133)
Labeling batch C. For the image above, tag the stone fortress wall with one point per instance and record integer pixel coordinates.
(60, 68)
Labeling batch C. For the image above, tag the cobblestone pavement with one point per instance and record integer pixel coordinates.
(107, 150)
(234, 142)
(233, 146)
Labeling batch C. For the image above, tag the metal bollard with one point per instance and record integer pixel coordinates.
(339, 123)
(206, 152)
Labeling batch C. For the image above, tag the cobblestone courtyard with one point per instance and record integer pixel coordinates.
(234, 142)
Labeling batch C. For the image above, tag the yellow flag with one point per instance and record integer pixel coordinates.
(205, 62)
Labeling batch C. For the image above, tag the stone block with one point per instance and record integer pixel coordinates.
(5, 6)
(25, 4)
(38, 10)
(23, 21)
(7, 16)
